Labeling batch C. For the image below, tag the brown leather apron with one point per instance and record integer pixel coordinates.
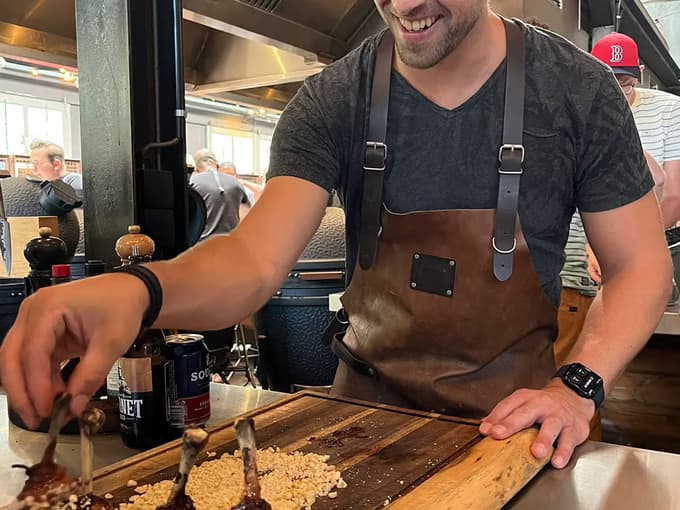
(446, 311)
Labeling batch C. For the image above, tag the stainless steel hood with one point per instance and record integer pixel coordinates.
(252, 52)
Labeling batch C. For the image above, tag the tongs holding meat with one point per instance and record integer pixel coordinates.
(193, 441)
(252, 500)
(47, 478)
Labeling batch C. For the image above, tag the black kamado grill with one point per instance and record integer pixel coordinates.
(292, 355)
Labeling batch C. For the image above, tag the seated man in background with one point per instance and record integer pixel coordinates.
(253, 190)
(48, 165)
(225, 198)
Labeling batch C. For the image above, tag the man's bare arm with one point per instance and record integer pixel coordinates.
(631, 256)
(229, 277)
(211, 286)
(636, 277)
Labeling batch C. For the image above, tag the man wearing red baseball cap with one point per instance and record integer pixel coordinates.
(657, 116)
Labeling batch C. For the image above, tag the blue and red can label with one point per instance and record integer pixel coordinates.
(188, 380)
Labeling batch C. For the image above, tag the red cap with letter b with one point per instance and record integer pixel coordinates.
(619, 52)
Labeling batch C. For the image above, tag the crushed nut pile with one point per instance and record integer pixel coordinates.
(289, 481)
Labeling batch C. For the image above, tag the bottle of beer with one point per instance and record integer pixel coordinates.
(142, 394)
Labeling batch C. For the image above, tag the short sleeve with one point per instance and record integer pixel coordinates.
(611, 168)
(303, 145)
(672, 142)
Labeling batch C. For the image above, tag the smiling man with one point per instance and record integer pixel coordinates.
(460, 158)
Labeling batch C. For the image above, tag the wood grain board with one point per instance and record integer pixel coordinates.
(396, 458)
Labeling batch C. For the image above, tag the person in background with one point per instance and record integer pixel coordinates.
(253, 190)
(225, 199)
(48, 164)
(657, 116)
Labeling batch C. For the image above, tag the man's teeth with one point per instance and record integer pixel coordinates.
(417, 25)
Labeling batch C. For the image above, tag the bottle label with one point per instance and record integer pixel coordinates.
(142, 402)
(113, 381)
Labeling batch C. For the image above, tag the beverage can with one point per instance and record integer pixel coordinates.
(188, 380)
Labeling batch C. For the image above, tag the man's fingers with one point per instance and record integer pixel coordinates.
(549, 431)
(37, 354)
(13, 380)
(503, 409)
(520, 418)
(88, 377)
(565, 448)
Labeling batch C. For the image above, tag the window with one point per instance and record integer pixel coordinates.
(265, 146)
(243, 154)
(237, 148)
(221, 145)
(45, 124)
(14, 122)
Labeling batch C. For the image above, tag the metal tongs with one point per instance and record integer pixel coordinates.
(252, 499)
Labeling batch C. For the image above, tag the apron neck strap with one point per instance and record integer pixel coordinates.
(511, 153)
(375, 154)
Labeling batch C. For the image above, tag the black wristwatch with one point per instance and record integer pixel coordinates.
(583, 381)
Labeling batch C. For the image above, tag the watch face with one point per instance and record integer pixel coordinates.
(584, 381)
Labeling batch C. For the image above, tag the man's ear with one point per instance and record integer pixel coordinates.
(57, 164)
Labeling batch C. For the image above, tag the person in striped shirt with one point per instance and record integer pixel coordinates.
(657, 116)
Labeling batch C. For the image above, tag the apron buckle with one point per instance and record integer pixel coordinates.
(375, 156)
(504, 252)
(511, 157)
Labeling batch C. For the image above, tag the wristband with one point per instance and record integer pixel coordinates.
(153, 286)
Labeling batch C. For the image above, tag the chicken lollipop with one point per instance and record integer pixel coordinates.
(91, 422)
(47, 478)
(252, 499)
(193, 441)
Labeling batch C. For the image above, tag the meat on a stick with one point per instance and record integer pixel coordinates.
(193, 441)
(252, 499)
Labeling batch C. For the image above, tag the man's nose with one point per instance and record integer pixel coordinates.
(406, 7)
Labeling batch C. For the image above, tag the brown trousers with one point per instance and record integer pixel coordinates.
(571, 315)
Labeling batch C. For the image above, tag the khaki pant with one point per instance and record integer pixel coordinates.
(571, 315)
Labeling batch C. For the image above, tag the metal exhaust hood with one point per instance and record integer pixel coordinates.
(251, 52)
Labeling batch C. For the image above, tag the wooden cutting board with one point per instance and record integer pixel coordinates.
(391, 457)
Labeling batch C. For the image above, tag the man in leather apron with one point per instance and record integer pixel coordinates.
(451, 306)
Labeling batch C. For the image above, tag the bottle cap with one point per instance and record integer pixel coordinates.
(94, 267)
(61, 271)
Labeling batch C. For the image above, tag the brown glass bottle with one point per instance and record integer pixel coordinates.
(142, 392)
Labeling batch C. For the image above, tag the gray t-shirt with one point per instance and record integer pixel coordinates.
(75, 181)
(582, 146)
(222, 195)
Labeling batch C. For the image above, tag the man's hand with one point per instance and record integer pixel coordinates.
(561, 413)
(94, 319)
(594, 270)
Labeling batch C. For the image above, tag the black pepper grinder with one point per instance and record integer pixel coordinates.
(42, 253)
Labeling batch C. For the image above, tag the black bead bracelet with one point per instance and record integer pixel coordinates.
(153, 285)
